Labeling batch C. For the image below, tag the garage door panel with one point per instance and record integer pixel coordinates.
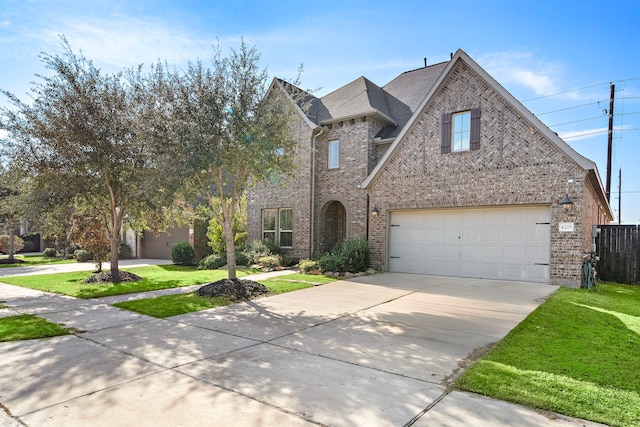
(492, 234)
(416, 234)
(451, 235)
(433, 235)
(450, 268)
(508, 243)
(471, 269)
(472, 253)
(537, 253)
(513, 272)
(513, 234)
(512, 254)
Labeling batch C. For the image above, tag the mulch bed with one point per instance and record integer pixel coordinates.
(234, 289)
(13, 261)
(105, 277)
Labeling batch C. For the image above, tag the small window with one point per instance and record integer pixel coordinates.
(269, 224)
(286, 227)
(334, 154)
(461, 132)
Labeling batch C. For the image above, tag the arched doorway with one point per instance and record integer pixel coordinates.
(334, 225)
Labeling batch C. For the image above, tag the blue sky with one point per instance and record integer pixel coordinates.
(551, 55)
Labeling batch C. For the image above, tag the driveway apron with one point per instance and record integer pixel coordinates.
(373, 350)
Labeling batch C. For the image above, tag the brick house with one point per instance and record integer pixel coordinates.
(444, 172)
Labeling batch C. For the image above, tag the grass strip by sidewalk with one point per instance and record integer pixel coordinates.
(173, 305)
(31, 260)
(155, 277)
(27, 327)
(577, 354)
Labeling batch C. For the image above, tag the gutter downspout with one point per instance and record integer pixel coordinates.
(313, 189)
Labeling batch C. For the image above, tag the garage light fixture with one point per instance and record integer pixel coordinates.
(566, 202)
(375, 212)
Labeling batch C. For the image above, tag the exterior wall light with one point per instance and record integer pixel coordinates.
(375, 212)
(566, 202)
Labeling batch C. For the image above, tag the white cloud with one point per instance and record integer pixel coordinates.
(125, 41)
(577, 135)
(523, 69)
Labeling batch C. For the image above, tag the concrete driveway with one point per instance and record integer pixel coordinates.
(371, 351)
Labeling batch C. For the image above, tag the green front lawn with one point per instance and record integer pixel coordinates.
(27, 327)
(154, 277)
(31, 260)
(173, 305)
(578, 354)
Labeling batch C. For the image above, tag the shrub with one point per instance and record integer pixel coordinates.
(82, 256)
(124, 251)
(261, 248)
(270, 261)
(349, 256)
(212, 262)
(50, 253)
(182, 253)
(242, 258)
(18, 243)
(355, 255)
(329, 262)
(29, 246)
(308, 265)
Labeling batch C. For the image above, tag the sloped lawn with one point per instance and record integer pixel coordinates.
(154, 277)
(578, 354)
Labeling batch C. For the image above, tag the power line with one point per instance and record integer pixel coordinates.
(571, 108)
(582, 135)
(581, 88)
(591, 118)
(576, 121)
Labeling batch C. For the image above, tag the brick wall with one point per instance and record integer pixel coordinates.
(515, 165)
(357, 159)
(292, 192)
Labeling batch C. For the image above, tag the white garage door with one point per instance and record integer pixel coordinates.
(490, 243)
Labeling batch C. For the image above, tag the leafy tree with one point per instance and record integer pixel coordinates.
(102, 135)
(233, 131)
(14, 190)
(88, 231)
(215, 231)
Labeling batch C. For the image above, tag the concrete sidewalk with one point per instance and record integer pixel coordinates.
(369, 351)
(76, 266)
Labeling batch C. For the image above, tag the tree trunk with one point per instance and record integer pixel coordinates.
(231, 249)
(114, 239)
(12, 246)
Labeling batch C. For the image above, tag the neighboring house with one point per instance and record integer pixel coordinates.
(443, 171)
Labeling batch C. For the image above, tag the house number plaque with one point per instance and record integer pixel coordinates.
(565, 227)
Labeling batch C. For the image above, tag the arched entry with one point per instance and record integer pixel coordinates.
(334, 225)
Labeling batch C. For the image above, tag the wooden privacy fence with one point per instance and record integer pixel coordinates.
(619, 251)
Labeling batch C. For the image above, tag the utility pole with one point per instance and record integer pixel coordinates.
(620, 196)
(610, 141)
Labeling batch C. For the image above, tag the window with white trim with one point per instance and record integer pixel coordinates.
(334, 154)
(286, 227)
(269, 224)
(461, 131)
(277, 225)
